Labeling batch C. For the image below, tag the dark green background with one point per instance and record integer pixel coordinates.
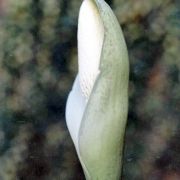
(38, 63)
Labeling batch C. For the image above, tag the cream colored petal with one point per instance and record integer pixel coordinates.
(75, 106)
(90, 41)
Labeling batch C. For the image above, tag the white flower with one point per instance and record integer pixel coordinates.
(96, 110)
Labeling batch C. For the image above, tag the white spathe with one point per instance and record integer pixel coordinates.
(90, 42)
(97, 106)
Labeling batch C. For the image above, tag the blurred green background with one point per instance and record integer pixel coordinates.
(38, 63)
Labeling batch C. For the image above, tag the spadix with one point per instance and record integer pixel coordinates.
(96, 110)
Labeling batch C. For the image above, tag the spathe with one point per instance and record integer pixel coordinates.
(90, 42)
(96, 109)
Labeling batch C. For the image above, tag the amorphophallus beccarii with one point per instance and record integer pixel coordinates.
(96, 110)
